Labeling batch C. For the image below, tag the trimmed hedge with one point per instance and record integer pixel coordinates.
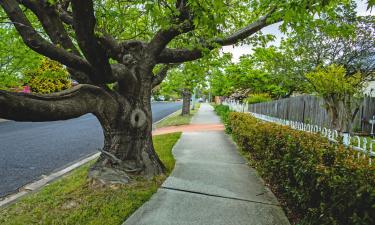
(321, 183)
(223, 111)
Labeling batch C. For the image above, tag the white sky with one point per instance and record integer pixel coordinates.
(274, 29)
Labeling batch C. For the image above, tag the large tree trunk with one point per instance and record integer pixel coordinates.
(128, 149)
(332, 107)
(186, 96)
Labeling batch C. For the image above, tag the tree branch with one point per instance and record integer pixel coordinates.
(246, 31)
(84, 25)
(182, 24)
(50, 20)
(65, 16)
(68, 104)
(112, 46)
(159, 77)
(184, 55)
(179, 55)
(34, 41)
(120, 72)
(164, 36)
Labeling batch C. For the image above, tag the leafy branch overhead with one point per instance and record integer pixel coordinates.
(111, 31)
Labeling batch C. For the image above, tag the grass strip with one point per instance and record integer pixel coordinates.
(177, 119)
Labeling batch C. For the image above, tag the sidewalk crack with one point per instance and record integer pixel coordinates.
(218, 196)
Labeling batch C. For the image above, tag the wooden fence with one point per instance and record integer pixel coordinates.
(309, 109)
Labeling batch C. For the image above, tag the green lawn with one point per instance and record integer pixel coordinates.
(71, 200)
(177, 119)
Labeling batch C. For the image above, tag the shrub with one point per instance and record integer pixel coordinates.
(48, 78)
(223, 112)
(257, 98)
(322, 183)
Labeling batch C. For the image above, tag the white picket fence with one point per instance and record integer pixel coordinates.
(362, 146)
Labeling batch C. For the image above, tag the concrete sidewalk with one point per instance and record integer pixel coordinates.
(210, 185)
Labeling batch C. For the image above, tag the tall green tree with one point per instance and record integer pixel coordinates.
(184, 80)
(105, 42)
(339, 91)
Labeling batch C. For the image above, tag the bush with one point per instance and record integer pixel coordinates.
(321, 183)
(258, 98)
(48, 78)
(223, 112)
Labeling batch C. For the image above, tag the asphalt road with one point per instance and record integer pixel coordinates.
(30, 150)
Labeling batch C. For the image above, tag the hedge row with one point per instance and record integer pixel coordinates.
(321, 183)
(223, 111)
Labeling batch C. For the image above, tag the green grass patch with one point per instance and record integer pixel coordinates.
(177, 119)
(71, 200)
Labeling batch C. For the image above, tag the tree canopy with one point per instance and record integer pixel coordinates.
(337, 36)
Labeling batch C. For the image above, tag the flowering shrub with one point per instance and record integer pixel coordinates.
(321, 183)
(48, 78)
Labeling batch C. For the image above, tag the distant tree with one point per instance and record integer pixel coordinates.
(256, 73)
(338, 90)
(338, 37)
(183, 80)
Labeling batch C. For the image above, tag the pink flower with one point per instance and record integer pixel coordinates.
(26, 89)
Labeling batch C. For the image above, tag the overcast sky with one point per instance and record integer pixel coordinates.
(274, 29)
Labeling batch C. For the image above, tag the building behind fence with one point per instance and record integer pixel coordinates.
(309, 109)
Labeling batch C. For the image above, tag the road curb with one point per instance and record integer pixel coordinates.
(159, 121)
(28, 188)
(36, 185)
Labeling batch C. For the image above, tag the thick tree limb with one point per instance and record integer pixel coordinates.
(183, 24)
(112, 46)
(64, 14)
(34, 41)
(184, 55)
(84, 25)
(68, 104)
(50, 20)
(179, 55)
(246, 31)
(120, 72)
(164, 36)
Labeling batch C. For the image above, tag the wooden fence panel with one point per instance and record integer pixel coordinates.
(310, 109)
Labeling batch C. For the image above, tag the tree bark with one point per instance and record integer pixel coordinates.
(128, 149)
(186, 96)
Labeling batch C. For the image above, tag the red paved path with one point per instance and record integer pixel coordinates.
(188, 128)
